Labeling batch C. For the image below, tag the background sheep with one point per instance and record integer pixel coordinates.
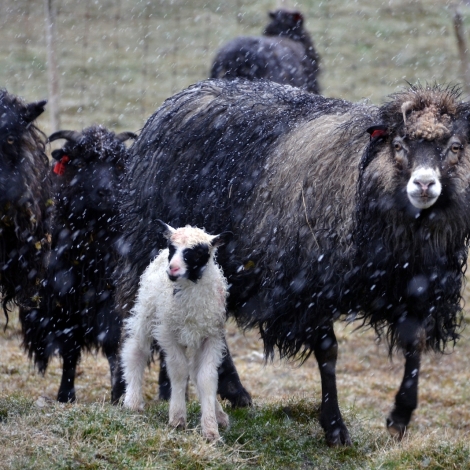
(326, 222)
(77, 306)
(24, 195)
(285, 54)
(181, 305)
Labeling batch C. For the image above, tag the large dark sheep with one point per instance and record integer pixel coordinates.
(338, 210)
(77, 304)
(284, 54)
(24, 196)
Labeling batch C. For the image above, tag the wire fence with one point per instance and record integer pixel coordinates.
(119, 59)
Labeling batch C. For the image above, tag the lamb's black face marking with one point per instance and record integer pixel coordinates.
(196, 259)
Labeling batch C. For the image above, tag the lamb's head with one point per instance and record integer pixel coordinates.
(89, 168)
(190, 251)
(421, 147)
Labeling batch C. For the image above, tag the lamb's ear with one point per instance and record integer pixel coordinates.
(167, 230)
(221, 239)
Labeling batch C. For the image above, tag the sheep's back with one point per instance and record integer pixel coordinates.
(274, 58)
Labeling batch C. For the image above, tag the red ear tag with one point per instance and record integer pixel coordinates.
(59, 167)
(378, 133)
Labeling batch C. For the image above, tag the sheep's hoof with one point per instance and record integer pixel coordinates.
(222, 419)
(66, 396)
(236, 394)
(396, 430)
(338, 437)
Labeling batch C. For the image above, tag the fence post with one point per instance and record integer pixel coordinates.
(463, 51)
(53, 72)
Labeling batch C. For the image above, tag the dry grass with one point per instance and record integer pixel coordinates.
(367, 383)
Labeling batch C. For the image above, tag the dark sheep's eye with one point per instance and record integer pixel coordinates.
(397, 146)
(456, 147)
(10, 139)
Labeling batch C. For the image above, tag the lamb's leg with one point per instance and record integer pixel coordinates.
(178, 371)
(406, 400)
(326, 353)
(205, 376)
(67, 384)
(229, 383)
(134, 356)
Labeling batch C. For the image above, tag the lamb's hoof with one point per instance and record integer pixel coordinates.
(338, 437)
(222, 419)
(178, 423)
(397, 430)
(211, 435)
(137, 406)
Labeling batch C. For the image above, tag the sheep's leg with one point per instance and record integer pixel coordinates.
(67, 384)
(326, 353)
(229, 384)
(206, 362)
(406, 400)
(135, 355)
(178, 371)
(164, 386)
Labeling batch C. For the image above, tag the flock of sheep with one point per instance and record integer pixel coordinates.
(320, 209)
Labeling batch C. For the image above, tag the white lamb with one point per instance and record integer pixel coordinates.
(181, 304)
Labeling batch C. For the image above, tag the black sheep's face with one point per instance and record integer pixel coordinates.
(187, 263)
(16, 149)
(92, 185)
(429, 167)
(426, 172)
(284, 22)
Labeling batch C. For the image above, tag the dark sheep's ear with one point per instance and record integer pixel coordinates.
(57, 154)
(123, 136)
(166, 229)
(33, 110)
(72, 136)
(377, 132)
(221, 239)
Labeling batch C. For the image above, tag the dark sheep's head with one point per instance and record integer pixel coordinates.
(19, 146)
(286, 23)
(89, 168)
(424, 133)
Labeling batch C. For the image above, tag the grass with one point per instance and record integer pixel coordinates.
(281, 430)
(119, 59)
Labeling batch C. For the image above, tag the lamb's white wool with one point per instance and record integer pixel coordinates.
(187, 320)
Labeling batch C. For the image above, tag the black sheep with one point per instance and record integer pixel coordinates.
(77, 303)
(337, 209)
(24, 201)
(284, 54)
